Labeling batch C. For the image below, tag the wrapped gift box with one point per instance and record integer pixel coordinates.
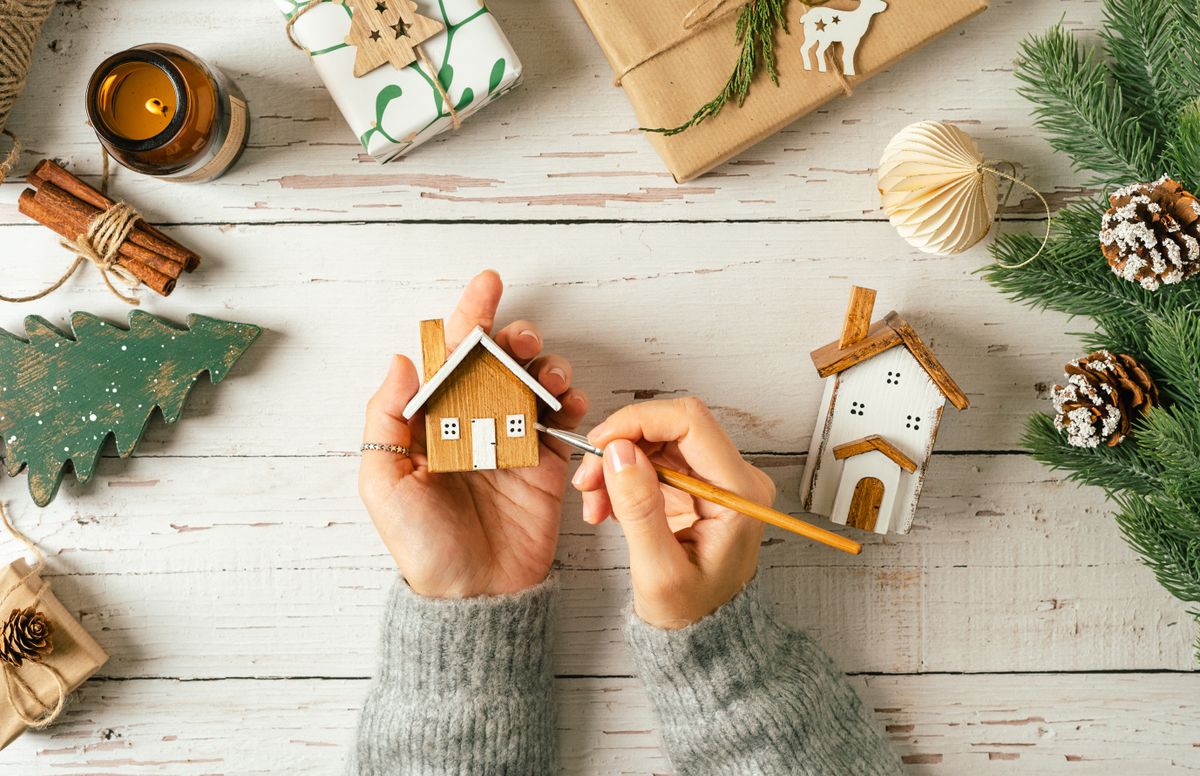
(75, 654)
(394, 110)
(669, 70)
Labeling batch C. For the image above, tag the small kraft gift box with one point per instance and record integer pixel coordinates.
(45, 654)
(673, 56)
(403, 71)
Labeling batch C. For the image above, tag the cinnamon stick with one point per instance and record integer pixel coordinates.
(71, 222)
(144, 234)
(60, 201)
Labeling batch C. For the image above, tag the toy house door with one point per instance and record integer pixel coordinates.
(483, 443)
(864, 507)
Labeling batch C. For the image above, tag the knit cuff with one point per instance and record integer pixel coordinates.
(440, 647)
(738, 692)
(726, 654)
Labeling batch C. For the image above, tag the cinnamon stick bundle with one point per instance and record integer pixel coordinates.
(67, 205)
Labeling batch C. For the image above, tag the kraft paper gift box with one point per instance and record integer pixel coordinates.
(668, 71)
(392, 111)
(75, 654)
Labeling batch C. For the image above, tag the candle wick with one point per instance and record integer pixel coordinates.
(155, 105)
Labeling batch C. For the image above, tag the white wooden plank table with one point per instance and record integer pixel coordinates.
(232, 573)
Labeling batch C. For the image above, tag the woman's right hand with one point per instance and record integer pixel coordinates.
(687, 557)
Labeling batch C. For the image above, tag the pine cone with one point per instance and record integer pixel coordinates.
(1151, 234)
(1104, 394)
(26, 636)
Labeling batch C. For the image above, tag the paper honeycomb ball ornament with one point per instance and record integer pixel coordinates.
(1151, 234)
(936, 189)
(1104, 394)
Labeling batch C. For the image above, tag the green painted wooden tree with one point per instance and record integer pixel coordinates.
(61, 396)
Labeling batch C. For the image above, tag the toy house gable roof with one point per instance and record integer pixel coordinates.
(475, 338)
(883, 335)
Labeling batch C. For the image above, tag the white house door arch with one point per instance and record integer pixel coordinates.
(483, 443)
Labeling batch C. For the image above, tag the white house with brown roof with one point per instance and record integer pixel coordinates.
(883, 401)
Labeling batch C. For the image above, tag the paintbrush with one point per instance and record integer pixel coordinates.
(721, 497)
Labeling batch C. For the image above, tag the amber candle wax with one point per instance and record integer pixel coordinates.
(162, 111)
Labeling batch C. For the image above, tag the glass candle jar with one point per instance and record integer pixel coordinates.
(162, 111)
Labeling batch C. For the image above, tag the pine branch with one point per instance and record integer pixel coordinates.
(1181, 157)
(1171, 438)
(1071, 275)
(757, 24)
(1114, 469)
(1135, 34)
(1174, 351)
(1171, 549)
(1081, 111)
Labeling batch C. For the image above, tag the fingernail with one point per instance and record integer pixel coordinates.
(577, 480)
(393, 365)
(597, 432)
(621, 454)
(559, 373)
(531, 334)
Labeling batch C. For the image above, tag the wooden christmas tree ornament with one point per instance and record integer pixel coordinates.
(884, 395)
(384, 31)
(62, 395)
(480, 405)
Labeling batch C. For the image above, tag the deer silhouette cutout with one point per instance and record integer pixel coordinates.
(826, 26)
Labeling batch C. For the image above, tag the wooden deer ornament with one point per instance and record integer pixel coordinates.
(825, 26)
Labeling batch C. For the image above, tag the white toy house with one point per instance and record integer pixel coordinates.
(883, 401)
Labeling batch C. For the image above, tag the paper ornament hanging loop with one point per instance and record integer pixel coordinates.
(939, 191)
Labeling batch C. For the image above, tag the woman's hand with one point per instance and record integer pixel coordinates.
(687, 557)
(473, 533)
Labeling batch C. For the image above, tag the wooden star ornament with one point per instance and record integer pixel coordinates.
(383, 31)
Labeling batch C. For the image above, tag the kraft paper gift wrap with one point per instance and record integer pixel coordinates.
(75, 655)
(393, 111)
(668, 71)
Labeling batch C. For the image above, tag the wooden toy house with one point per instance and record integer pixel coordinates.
(480, 405)
(883, 401)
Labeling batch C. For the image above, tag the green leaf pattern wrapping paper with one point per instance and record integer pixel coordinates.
(393, 111)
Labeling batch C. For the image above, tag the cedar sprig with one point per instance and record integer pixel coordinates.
(758, 23)
(1127, 114)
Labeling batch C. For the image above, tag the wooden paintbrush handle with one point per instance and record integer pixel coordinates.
(709, 492)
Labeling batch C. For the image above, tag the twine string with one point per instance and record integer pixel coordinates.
(1013, 182)
(101, 246)
(22, 22)
(14, 684)
(290, 29)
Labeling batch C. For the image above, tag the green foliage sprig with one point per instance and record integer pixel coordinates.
(1125, 112)
(758, 23)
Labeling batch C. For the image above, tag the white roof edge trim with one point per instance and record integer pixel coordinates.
(477, 337)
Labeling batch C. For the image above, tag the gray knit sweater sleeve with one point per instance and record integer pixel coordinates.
(740, 694)
(464, 688)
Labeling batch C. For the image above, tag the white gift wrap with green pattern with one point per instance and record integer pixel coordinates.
(393, 111)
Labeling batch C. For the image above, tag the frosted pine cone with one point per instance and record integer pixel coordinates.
(1151, 234)
(25, 636)
(1104, 394)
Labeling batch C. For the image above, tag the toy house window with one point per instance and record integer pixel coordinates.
(450, 428)
(893, 378)
(857, 407)
(516, 425)
(914, 422)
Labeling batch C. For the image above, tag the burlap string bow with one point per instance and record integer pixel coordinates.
(17, 692)
(433, 71)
